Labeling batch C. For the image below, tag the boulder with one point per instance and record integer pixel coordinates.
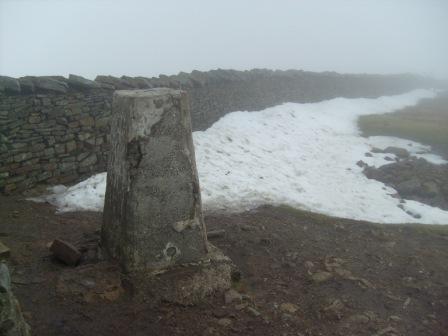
(399, 152)
(114, 83)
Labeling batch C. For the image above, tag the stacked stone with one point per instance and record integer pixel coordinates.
(369, 84)
(52, 138)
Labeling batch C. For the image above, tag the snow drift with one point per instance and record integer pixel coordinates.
(302, 155)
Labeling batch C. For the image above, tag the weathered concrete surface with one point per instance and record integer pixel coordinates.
(152, 214)
(185, 284)
(11, 319)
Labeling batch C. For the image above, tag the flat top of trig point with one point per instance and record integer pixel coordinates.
(147, 93)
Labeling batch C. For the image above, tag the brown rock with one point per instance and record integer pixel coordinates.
(65, 252)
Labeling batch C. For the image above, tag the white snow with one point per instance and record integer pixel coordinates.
(87, 195)
(302, 155)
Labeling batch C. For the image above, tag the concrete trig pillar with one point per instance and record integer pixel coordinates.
(152, 212)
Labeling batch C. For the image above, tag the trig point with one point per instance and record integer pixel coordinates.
(152, 212)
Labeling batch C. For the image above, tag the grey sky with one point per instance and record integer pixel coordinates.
(90, 37)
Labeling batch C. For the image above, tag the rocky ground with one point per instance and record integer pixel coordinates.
(412, 178)
(301, 274)
(415, 179)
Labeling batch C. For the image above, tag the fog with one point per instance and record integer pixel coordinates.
(148, 38)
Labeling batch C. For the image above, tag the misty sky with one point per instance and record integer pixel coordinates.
(148, 38)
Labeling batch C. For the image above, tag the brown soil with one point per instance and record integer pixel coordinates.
(302, 274)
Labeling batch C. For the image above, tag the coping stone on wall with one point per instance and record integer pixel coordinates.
(50, 83)
(9, 84)
(193, 80)
(82, 83)
(113, 83)
(26, 85)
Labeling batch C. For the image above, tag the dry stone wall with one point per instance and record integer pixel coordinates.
(52, 138)
(56, 130)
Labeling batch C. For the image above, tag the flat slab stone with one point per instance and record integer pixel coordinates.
(65, 252)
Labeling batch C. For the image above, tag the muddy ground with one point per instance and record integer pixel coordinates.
(302, 274)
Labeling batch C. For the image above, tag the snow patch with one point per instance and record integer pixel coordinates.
(302, 155)
(87, 195)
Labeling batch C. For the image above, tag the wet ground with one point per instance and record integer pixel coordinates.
(302, 274)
